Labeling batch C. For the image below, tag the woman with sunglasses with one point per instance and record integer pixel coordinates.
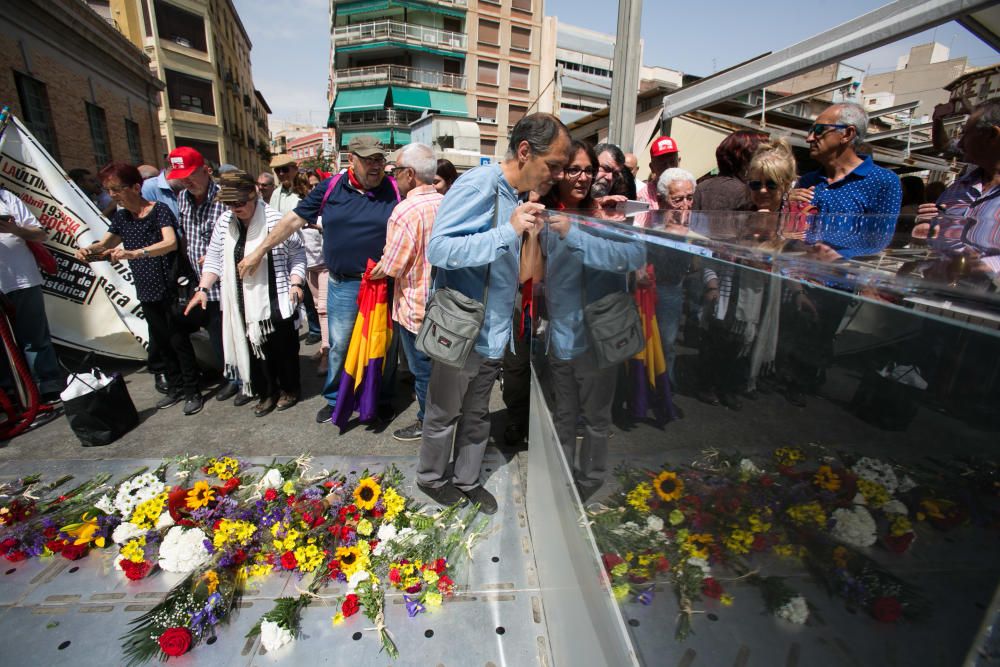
(258, 311)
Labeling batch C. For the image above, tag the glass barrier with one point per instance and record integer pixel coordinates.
(782, 437)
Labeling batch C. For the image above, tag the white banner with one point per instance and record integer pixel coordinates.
(92, 307)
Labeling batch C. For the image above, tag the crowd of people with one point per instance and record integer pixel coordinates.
(244, 256)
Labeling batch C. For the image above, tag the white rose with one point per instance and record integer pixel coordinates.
(272, 479)
(165, 521)
(183, 550)
(125, 532)
(654, 523)
(273, 636)
(357, 578)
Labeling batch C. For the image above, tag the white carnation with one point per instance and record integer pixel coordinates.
(855, 527)
(795, 610)
(274, 636)
(165, 521)
(125, 532)
(105, 504)
(748, 467)
(654, 523)
(701, 564)
(272, 479)
(183, 550)
(877, 471)
(357, 578)
(386, 534)
(895, 507)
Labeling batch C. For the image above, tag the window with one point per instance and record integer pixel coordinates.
(522, 5)
(586, 69)
(208, 149)
(188, 93)
(520, 78)
(35, 111)
(134, 145)
(489, 73)
(489, 32)
(452, 66)
(488, 146)
(515, 113)
(486, 110)
(520, 38)
(180, 27)
(99, 134)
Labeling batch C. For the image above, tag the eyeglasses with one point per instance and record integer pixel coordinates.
(757, 185)
(680, 198)
(241, 203)
(819, 129)
(575, 172)
(285, 169)
(374, 159)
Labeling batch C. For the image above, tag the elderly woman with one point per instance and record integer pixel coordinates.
(146, 232)
(258, 312)
(771, 175)
(728, 191)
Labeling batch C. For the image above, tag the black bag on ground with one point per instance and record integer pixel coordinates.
(615, 328)
(103, 415)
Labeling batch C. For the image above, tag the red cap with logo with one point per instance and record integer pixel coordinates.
(183, 162)
(662, 146)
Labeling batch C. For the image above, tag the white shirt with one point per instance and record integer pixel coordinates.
(18, 269)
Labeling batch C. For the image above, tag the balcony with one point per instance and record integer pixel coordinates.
(382, 117)
(363, 5)
(396, 31)
(397, 74)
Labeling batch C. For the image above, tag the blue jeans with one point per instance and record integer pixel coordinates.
(31, 328)
(341, 312)
(669, 307)
(419, 363)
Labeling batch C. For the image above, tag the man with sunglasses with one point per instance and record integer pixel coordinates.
(284, 198)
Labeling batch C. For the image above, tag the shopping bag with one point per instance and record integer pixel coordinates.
(102, 415)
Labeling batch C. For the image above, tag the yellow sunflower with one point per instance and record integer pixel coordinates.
(351, 560)
(826, 479)
(668, 486)
(366, 493)
(200, 496)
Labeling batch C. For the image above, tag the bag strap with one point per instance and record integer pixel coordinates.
(493, 224)
(329, 188)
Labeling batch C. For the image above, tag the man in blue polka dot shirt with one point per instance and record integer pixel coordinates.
(856, 201)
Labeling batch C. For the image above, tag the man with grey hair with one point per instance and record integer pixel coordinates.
(265, 185)
(404, 258)
(848, 183)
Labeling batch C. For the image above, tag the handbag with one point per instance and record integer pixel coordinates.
(103, 414)
(614, 327)
(44, 258)
(452, 321)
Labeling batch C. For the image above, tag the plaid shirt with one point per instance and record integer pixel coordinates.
(404, 258)
(197, 224)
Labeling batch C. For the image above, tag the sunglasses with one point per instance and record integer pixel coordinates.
(241, 203)
(756, 186)
(263, 185)
(574, 172)
(819, 129)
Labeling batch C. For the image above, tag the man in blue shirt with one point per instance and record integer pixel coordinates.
(355, 209)
(156, 187)
(857, 201)
(479, 225)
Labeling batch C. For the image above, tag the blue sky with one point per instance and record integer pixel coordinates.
(291, 40)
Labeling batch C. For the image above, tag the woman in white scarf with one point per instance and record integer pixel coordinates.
(259, 313)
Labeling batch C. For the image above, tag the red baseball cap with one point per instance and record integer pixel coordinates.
(661, 146)
(183, 162)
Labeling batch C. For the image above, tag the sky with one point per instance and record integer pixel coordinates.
(291, 41)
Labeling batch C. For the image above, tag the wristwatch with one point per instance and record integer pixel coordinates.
(199, 288)
(145, 252)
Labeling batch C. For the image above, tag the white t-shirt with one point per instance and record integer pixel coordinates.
(18, 269)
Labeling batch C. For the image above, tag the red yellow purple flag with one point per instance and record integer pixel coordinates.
(361, 378)
(648, 369)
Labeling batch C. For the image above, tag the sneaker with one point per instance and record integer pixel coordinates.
(445, 495)
(324, 414)
(169, 400)
(160, 383)
(313, 338)
(414, 431)
(242, 399)
(194, 404)
(480, 496)
(227, 392)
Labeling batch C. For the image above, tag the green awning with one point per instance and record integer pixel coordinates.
(385, 136)
(429, 7)
(401, 45)
(372, 6)
(401, 137)
(360, 99)
(449, 104)
(415, 99)
(361, 7)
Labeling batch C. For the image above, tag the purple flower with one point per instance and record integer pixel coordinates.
(209, 547)
(645, 597)
(413, 606)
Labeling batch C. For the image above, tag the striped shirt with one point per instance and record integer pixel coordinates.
(966, 198)
(407, 234)
(197, 221)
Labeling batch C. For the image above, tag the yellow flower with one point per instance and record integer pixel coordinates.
(229, 530)
(84, 531)
(621, 591)
(620, 570)
(840, 557)
(739, 541)
(811, 512)
(757, 524)
(433, 599)
(338, 618)
(351, 560)
(900, 526)
(676, 517)
(200, 496)
(365, 528)
(788, 456)
(146, 513)
(366, 493)
(784, 550)
(639, 496)
(875, 494)
(430, 576)
(211, 579)
(826, 479)
(668, 486)
(696, 544)
(288, 488)
(394, 504)
(309, 557)
(224, 468)
(726, 600)
(133, 550)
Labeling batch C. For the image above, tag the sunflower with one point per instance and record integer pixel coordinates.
(350, 559)
(668, 486)
(826, 479)
(366, 493)
(200, 496)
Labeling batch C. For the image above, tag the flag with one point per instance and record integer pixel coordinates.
(361, 378)
(648, 369)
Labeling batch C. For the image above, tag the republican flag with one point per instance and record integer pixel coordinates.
(648, 369)
(361, 378)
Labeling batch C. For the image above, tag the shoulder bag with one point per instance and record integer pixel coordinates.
(613, 325)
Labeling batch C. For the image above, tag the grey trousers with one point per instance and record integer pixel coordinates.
(457, 411)
(583, 390)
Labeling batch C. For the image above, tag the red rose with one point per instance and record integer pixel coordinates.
(711, 588)
(74, 551)
(887, 610)
(7, 545)
(239, 556)
(288, 561)
(440, 565)
(270, 495)
(290, 500)
(16, 555)
(136, 571)
(231, 485)
(175, 641)
(55, 546)
(350, 606)
(352, 508)
(377, 513)
(662, 565)
(394, 575)
(50, 532)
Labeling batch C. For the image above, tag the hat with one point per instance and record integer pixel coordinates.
(183, 162)
(235, 187)
(281, 160)
(366, 145)
(662, 146)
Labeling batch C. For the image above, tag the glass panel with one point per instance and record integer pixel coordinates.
(181, 27)
(190, 93)
(523, 5)
(515, 113)
(781, 435)
(486, 110)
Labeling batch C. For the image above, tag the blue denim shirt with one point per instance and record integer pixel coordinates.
(464, 241)
(157, 189)
(583, 267)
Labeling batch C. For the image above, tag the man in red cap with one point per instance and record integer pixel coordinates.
(198, 210)
(663, 155)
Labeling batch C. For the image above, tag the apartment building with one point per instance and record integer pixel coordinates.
(920, 76)
(200, 50)
(312, 149)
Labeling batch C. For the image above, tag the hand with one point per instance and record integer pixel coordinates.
(377, 272)
(524, 217)
(610, 201)
(295, 294)
(118, 254)
(7, 225)
(249, 264)
(803, 195)
(560, 225)
(711, 294)
(199, 299)
(201, 261)
(821, 252)
(83, 254)
(926, 212)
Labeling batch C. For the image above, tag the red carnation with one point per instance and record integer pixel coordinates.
(16, 555)
(610, 560)
(887, 609)
(377, 513)
(440, 565)
(175, 641)
(415, 588)
(352, 508)
(136, 571)
(662, 565)
(394, 575)
(270, 495)
(899, 544)
(55, 546)
(7, 545)
(239, 556)
(350, 606)
(290, 500)
(711, 588)
(50, 532)
(74, 551)
(288, 561)
(231, 485)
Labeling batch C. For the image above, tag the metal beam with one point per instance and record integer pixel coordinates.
(908, 129)
(909, 106)
(883, 26)
(625, 83)
(980, 30)
(773, 104)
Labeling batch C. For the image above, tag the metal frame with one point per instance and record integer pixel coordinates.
(800, 97)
